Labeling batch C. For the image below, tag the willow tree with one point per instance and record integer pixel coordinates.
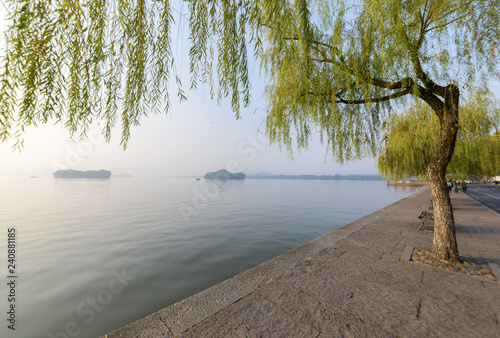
(343, 69)
(411, 138)
(332, 65)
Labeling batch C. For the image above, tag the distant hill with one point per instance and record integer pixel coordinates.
(70, 173)
(224, 175)
(266, 176)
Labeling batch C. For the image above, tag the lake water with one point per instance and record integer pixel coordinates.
(94, 255)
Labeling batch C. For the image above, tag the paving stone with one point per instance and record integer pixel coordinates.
(330, 289)
(319, 292)
(149, 327)
(264, 318)
(352, 260)
(389, 309)
(185, 314)
(421, 240)
(297, 303)
(319, 314)
(387, 279)
(492, 289)
(394, 254)
(303, 252)
(348, 266)
(406, 270)
(455, 322)
(441, 280)
(301, 274)
(474, 309)
(353, 246)
(376, 239)
(220, 324)
(492, 296)
(329, 254)
(265, 272)
(344, 324)
(424, 328)
(240, 332)
(336, 276)
(470, 303)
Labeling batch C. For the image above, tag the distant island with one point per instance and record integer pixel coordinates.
(224, 175)
(70, 173)
(268, 176)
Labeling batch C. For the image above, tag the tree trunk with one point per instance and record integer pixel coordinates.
(445, 242)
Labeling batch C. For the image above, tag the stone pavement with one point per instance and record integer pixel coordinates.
(356, 281)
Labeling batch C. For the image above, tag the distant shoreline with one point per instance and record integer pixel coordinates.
(70, 173)
(319, 177)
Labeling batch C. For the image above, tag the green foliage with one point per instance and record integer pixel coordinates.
(411, 139)
(333, 66)
(362, 56)
(80, 61)
(76, 62)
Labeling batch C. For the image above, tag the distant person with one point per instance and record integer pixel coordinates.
(456, 185)
(464, 186)
(449, 184)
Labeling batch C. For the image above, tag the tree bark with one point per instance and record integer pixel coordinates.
(445, 242)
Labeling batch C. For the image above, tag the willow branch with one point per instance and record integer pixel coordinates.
(377, 99)
(446, 23)
(404, 83)
(369, 100)
(422, 76)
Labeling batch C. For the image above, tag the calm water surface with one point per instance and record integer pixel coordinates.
(94, 255)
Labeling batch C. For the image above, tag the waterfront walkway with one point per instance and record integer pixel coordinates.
(357, 281)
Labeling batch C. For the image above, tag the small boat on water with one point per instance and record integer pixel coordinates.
(408, 182)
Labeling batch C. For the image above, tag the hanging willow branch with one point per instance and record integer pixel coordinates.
(111, 61)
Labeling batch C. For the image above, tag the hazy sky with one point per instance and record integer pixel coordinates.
(194, 137)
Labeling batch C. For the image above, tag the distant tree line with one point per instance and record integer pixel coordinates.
(319, 177)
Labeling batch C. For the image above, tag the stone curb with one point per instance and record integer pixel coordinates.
(406, 256)
(496, 269)
(186, 313)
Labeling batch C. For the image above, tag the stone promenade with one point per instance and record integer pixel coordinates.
(357, 281)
